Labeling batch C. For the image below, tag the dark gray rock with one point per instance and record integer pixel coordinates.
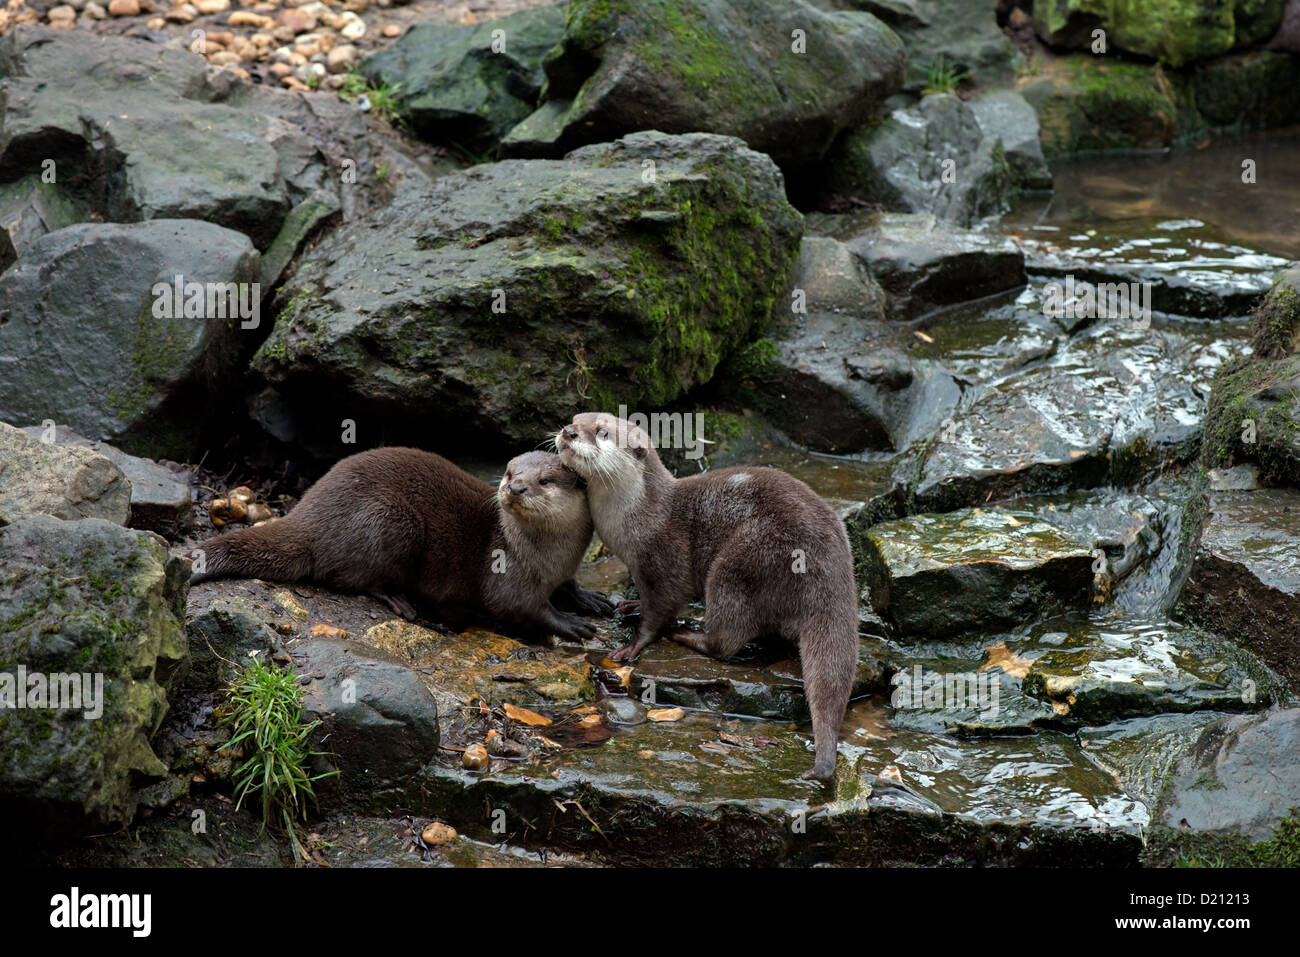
(1006, 116)
(961, 36)
(501, 299)
(30, 208)
(724, 66)
(455, 88)
(87, 342)
(160, 501)
(222, 635)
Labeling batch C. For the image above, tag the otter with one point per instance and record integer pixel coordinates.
(764, 551)
(403, 524)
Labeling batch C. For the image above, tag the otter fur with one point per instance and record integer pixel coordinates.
(405, 525)
(766, 554)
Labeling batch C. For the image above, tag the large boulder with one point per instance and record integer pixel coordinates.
(88, 338)
(500, 300)
(932, 157)
(786, 78)
(85, 599)
(1173, 33)
(136, 131)
(961, 36)
(29, 208)
(42, 478)
(467, 86)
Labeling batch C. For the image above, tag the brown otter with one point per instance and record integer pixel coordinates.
(767, 555)
(403, 524)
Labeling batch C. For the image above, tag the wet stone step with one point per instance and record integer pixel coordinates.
(708, 789)
(942, 575)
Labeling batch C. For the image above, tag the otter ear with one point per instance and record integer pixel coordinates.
(639, 451)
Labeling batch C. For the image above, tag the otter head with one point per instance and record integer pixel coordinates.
(537, 487)
(603, 447)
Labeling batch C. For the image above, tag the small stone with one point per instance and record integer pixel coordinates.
(211, 7)
(263, 41)
(297, 59)
(281, 70)
(307, 50)
(295, 84)
(156, 23)
(475, 758)
(391, 30)
(62, 25)
(246, 18)
(438, 833)
(225, 58)
(297, 21)
(95, 11)
(353, 28)
(125, 8)
(62, 12)
(340, 58)
(181, 13)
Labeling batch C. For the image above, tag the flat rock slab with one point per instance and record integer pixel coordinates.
(707, 789)
(42, 478)
(1140, 752)
(935, 575)
(1245, 579)
(1190, 268)
(160, 502)
(1238, 783)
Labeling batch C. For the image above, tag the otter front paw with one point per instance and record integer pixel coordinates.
(591, 602)
(626, 609)
(573, 627)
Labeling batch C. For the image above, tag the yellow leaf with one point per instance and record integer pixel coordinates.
(665, 714)
(327, 631)
(524, 716)
(1007, 660)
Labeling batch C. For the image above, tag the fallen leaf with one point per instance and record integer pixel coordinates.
(922, 336)
(327, 631)
(665, 714)
(1010, 662)
(524, 716)
(590, 719)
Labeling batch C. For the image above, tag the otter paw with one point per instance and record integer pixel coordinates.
(824, 775)
(592, 602)
(571, 626)
(628, 608)
(626, 653)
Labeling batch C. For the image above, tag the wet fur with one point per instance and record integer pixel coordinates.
(406, 525)
(727, 535)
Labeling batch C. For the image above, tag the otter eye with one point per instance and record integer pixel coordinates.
(601, 433)
(544, 481)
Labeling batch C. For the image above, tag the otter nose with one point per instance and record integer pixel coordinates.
(518, 488)
(570, 432)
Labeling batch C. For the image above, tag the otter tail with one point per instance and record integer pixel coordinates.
(275, 552)
(828, 653)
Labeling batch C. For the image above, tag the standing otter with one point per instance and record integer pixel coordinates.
(767, 555)
(403, 524)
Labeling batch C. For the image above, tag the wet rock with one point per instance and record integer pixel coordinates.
(85, 598)
(456, 88)
(724, 66)
(937, 575)
(1140, 752)
(461, 669)
(300, 225)
(70, 483)
(960, 35)
(30, 208)
(379, 724)
(715, 790)
(1006, 116)
(222, 634)
(922, 263)
(931, 158)
(1106, 672)
(970, 693)
(1230, 795)
(160, 502)
(1182, 267)
(1172, 34)
(766, 683)
(88, 341)
(1251, 88)
(138, 131)
(1244, 582)
(623, 710)
(642, 288)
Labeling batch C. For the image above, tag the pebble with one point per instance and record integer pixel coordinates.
(62, 12)
(351, 26)
(438, 833)
(298, 21)
(210, 7)
(475, 758)
(246, 18)
(95, 11)
(125, 8)
(181, 13)
(340, 58)
(391, 30)
(156, 23)
(225, 58)
(295, 84)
